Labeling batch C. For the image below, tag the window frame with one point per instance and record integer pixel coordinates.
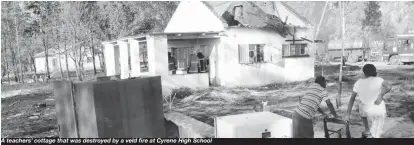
(54, 62)
(297, 51)
(255, 59)
(143, 57)
(187, 51)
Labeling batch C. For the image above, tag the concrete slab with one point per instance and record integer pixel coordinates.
(190, 126)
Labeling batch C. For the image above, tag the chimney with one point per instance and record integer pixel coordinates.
(238, 12)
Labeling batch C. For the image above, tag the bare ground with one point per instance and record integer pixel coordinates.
(221, 101)
(29, 115)
(33, 114)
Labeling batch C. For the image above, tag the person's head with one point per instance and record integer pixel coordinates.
(369, 70)
(321, 81)
(169, 54)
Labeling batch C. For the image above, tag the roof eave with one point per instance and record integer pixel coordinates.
(224, 22)
(290, 9)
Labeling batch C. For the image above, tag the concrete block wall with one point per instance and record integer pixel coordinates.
(65, 111)
(188, 127)
(110, 109)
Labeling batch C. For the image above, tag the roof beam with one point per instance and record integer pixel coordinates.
(193, 36)
(140, 37)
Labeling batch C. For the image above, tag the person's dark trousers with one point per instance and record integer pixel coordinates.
(302, 127)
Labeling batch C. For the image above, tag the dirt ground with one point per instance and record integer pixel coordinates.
(205, 105)
(28, 114)
(33, 114)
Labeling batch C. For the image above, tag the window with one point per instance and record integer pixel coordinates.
(143, 56)
(251, 53)
(54, 62)
(184, 60)
(182, 57)
(295, 50)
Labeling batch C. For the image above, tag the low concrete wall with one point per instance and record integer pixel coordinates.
(189, 127)
(255, 75)
(299, 69)
(193, 81)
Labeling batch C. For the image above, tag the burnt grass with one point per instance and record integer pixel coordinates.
(398, 100)
(18, 112)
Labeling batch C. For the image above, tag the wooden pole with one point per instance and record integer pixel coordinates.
(338, 99)
(21, 75)
(317, 30)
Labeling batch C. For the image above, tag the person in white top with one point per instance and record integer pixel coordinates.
(370, 91)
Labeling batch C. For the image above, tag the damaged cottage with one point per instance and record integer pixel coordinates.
(205, 44)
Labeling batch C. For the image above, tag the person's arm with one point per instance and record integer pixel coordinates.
(385, 88)
(352, 100)
(322, 112)
(324, 95)
(350, 105)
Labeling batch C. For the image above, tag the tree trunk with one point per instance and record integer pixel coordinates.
(46, 58)
(102, 60)
(59, 55)
(45, 45)
(32, 59)
(5, 59)
(7, 65)
(60, 66)
(93, 57)
(76, 62)
(76, 68)
(18, 52)
(66, 59)
(34, 67)
(79, 63)
(366, 33)
(3, 67)
(14, 63)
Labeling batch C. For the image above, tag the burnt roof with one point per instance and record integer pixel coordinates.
(251, 15)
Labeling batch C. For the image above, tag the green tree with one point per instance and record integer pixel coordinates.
(371, 25)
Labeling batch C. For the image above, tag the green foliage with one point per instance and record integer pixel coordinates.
(372, 21)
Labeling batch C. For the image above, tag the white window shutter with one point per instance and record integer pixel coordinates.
(251, 51)
(306, 49)
(240, 54)
(243, 53)
(268, 52)
(278, 52)
(285, 49)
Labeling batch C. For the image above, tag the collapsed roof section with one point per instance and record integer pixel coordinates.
(246, 14)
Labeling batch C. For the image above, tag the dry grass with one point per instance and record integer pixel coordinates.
(206, 104)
